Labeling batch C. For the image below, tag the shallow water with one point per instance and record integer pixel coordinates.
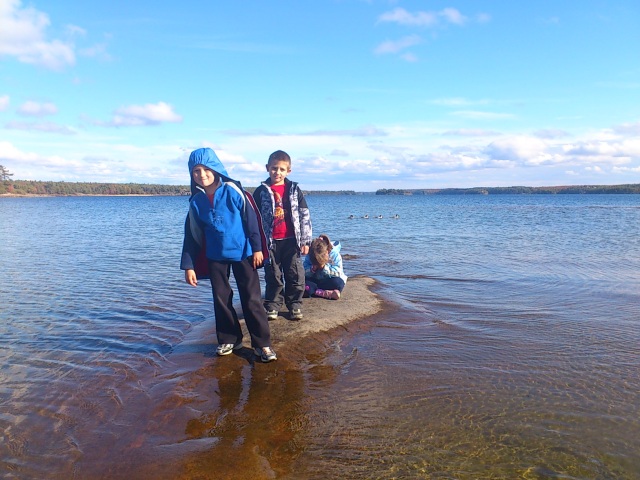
(509, 349)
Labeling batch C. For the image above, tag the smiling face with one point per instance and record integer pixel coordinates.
(278, 171)
(204, 177)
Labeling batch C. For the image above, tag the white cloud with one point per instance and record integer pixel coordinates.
(409, 57)
(480, 115)
(402, 17)
(626, 169)
(46, 127)
(459, 102)
(36, 109)
(363, 159)
(470, 132)
(453, 16)
(74, 30)
(141, 115)
(364, 131)
(23, 35)
(9, 152)
(518, 148)
(391, 46)
(613, 151)
(4, 102)
(628, 129)
(550, 133)
(116, 163)
(98, 50)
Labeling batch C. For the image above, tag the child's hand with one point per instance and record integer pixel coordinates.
(258, 260)
(190, 277)
(304, 250)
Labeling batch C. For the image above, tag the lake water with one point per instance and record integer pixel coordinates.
(509, 346)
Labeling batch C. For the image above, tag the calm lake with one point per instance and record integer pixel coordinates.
(509, 346)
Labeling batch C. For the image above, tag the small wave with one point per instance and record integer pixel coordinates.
(435, 277)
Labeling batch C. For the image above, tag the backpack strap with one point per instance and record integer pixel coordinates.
(252, 209)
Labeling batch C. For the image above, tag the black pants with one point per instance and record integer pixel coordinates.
(227, 325)
(284, 273)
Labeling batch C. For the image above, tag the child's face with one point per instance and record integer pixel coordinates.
(203, 176)
(278, 171)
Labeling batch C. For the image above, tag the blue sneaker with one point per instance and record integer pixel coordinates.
(266, 354)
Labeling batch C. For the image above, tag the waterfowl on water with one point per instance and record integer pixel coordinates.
(366, 216)
(351, 216)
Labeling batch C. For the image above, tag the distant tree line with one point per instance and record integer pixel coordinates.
(28, 187)
(32, 187)
(331, 192)
(571, 189)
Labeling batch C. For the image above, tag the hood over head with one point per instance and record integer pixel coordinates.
(207, 158)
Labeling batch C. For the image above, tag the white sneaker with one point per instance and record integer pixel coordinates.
(266, 354)
(227, 348)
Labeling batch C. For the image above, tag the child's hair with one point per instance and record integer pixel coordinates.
(319, 249)
(279, 156)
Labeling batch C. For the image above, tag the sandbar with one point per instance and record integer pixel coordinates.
(321, 315)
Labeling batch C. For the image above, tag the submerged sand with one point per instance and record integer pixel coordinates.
(197, 407)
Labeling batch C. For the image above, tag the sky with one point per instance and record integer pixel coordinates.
(362, 94)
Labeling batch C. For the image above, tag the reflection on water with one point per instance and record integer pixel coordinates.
(509, 348)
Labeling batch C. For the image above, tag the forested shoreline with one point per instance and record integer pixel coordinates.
(566, 189)
(48, 188)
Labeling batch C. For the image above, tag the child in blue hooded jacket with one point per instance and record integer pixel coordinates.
(222, 231)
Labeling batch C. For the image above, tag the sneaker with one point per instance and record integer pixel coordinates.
(227, 348)
(272, 314)
(330, 294)
(296, 314)
(266, 354)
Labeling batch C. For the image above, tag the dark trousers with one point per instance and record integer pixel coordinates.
(284, 273)
(227, 325)
(331, 283)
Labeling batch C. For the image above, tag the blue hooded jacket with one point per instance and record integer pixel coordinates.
(226, 226)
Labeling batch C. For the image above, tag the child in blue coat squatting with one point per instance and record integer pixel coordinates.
(323, 269)
(287, 226)
(223, 233)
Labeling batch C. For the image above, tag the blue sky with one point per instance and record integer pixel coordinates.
(362, 94)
